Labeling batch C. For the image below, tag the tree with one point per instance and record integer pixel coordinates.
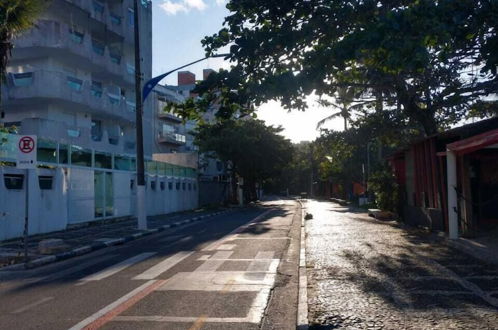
(431, 59)
(16, 16)
(256, 152)
(345, 103)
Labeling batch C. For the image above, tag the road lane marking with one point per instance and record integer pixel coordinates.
(199, 323)
(179, 319)
(163, 266)
(109, 271)
(265, 255)
(217, 281)
(259, 238)
(112, 310)
(214, 262)
(72, 270)
(232, 234)
(204, 257)
(34, 304)
(226, 247)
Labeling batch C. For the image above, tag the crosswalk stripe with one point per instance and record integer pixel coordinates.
(163, 266)
(214, 262)
(265, 255)
(109, 271)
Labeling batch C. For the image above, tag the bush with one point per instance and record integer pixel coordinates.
(386, 191)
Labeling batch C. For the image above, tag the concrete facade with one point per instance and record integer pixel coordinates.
(71, 77)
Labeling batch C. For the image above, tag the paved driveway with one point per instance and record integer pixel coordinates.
(366, 274)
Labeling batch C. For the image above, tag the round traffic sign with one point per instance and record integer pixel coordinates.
(26, 144)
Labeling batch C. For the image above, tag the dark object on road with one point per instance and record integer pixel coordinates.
(304, 195)
(308, 216)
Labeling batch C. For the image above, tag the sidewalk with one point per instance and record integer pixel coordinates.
(364, 273)
(93, 237)
(484, 247)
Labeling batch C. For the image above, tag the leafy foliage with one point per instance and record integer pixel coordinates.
(255, 151)
(16, 16)
(427, 61)
(386, 190)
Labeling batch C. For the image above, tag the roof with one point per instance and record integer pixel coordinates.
(455, 134)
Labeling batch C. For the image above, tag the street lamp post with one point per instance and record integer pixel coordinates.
(140, 96)
(141, 207)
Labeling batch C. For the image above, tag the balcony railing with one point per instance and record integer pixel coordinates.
(59, 39)
(70, 89)
(171, 138)
(169, 116)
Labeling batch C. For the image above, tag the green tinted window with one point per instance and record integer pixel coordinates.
(122, 163)
(81, 156)
(103, 160)
(46, 151)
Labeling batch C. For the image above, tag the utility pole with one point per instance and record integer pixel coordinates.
(141, 210)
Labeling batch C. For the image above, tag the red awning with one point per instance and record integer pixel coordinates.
(474, 143)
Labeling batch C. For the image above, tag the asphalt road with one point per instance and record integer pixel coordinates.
(235, 271)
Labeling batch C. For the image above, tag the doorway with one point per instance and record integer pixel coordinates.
(104, 194)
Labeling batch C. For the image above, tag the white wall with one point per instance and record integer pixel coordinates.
(72, 200)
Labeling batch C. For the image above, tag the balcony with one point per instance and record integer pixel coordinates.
(169, 117)
(102, 12)
(83, 49)
(68, 91)
(171, 138)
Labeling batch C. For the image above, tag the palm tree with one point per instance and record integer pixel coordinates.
(16, 16)
(345, 103)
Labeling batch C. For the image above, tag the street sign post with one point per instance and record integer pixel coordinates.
(26, 153)
(26, 159)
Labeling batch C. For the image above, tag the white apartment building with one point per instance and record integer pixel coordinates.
(71, 82)
(71, 77)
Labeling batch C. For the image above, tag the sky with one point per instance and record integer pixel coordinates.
(178, 28)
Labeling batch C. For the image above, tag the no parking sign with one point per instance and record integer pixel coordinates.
(26, 153)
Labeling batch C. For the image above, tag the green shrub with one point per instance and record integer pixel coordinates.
(386, 191)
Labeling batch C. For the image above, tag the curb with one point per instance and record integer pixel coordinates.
(100, 245)
(302, 306)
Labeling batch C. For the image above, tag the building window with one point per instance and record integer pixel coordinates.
(130, 68)
(22, 79)
(161, 184)
(151, 167)
(189, 186)
(115, 19)
(153, 185)
(103, 160)
(76, 36)
(45, 182)
(81, 157)
(170, 185)
(114, 141)
(96, 88)
(75, 83)
(178, 186)
(184, 185)
(131, 106)
(131, 17)
(46, 151)
(115, 57)
(98, 47)
(96, 130)
(122, 163)
(98, 7)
